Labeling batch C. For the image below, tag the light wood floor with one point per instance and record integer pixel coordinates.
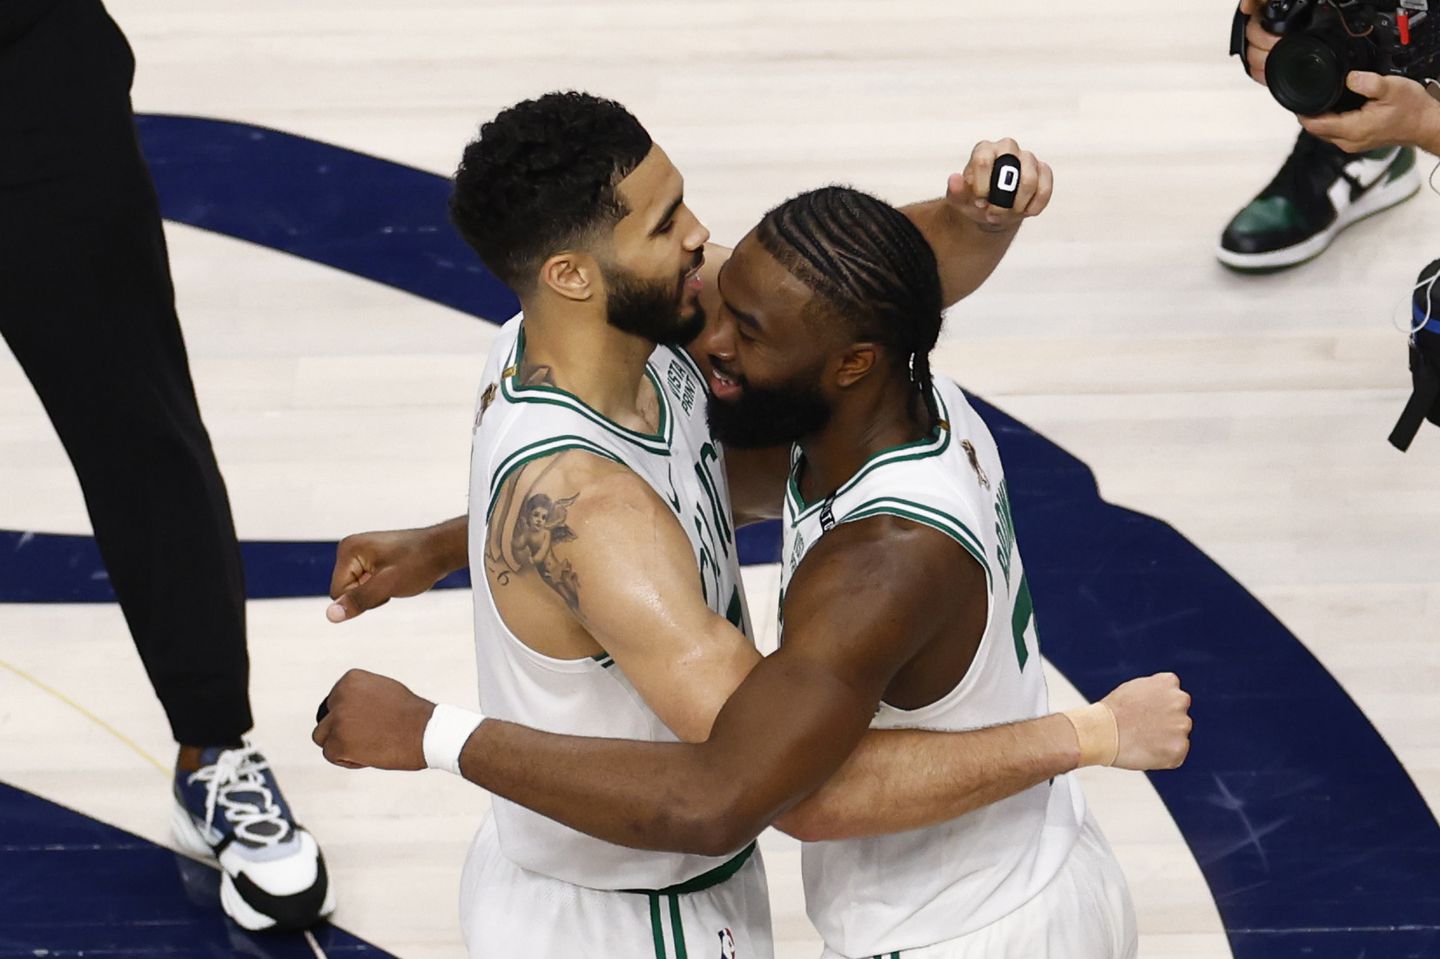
(1249, 413)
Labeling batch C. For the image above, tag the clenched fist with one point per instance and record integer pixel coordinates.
(969, 191)
(373, 721)
(373, 568)
(1153, 718)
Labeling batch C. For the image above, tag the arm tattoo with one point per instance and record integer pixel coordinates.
(539, 527)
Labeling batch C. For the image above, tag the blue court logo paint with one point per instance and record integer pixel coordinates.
(1312, 837)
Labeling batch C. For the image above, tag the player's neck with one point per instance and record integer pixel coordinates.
(577, 351)
(859, 427)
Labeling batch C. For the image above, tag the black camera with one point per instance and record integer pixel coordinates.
(1321, 41)
(1424, 359)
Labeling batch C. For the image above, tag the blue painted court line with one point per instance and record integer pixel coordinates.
(1312, 837)
(74, 887)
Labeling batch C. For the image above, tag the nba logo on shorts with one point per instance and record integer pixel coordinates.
(727, 944)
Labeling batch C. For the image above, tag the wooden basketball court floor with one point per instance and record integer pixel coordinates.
(1247, 415)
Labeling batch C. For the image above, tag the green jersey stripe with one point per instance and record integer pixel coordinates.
(706, 880)
(726, 536)
(531, 450)
(534, 451)
(657, 442)
(965, 531)
(677, 928)
(655, 929)
(931, 518)
(933, 445)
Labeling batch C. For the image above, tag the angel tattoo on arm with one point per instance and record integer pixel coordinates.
(539, 528)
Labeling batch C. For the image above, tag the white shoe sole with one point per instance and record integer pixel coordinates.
(1380, 197)
(189, 839)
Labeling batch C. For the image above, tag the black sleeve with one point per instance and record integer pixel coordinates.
(18, 16)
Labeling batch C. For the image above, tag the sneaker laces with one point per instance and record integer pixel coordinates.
(236, 786)
(1297, 173)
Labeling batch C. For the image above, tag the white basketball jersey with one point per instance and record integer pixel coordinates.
(515, 425)
(875, 896)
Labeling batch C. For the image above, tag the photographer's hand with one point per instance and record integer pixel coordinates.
(1399, 111)
(1258, 41)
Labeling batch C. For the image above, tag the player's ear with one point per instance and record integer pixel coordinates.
(571, 274)
(855, 363)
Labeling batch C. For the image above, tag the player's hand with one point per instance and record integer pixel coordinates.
(1258, 41)
(373, 721)
(1153, 717)
(1400, 111)
(968, 192)
(373, 568)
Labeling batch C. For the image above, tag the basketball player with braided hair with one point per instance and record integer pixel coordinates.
(599, 615)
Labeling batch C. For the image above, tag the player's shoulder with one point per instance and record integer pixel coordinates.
(884, 547)
(600, 487)
(888, 583)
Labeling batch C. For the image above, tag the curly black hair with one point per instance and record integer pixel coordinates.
(540, 177)
(871, 266)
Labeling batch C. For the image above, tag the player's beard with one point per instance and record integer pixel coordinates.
(650, 308)
(768, 415)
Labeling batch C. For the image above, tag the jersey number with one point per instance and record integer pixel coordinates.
(1022, 618)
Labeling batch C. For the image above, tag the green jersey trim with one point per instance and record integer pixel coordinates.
(689, 361)
(657, 442)
(677, 928)
(706, 880)
(542, 448)
(929, 516)
(933, 445)
(655, 929)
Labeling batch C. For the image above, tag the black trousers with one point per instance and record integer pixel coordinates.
(87, 307)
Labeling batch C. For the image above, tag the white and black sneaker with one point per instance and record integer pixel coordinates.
(1319, 191)
(272, 873)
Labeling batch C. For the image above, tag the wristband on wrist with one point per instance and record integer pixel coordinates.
(446, 734)
(1098, 733)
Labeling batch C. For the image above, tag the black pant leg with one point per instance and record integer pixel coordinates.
(87, 306)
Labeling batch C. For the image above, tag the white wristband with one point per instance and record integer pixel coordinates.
(445, 736)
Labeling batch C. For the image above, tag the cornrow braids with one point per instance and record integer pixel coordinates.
(872, 267)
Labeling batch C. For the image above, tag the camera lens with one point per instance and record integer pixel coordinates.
(1305, 74)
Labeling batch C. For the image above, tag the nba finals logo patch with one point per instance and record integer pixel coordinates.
(727, 944)
(969, 449)
(486, 399)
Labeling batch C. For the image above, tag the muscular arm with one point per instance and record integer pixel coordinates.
(970, 236)
(856, 611)
(966, 252)
(788, 727)
(605, 560)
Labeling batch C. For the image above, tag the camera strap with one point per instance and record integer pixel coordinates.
(1424, 399)
(1238, 42)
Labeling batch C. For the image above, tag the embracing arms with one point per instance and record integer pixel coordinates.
(792, 723)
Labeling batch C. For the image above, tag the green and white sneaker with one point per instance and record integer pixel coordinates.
(1319, 191)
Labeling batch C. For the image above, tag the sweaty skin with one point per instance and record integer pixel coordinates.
(796, 718)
